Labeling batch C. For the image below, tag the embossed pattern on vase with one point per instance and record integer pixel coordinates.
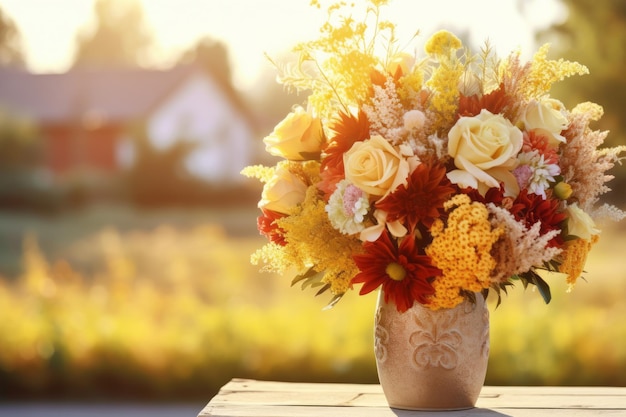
(381, 338)
(436, 340)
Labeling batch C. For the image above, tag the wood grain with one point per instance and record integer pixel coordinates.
(244, 398)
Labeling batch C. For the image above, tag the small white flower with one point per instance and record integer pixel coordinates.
(414, 119)
(347, 208)
(537, 173)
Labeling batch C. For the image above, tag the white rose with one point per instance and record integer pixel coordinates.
(579, 223)
(548, 116)
(283, 192)
(484, 148)
(296, 137)
(375, 166)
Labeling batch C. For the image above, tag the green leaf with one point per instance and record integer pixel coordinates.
(311, 156)
(310, 274)
(544, 288)
(333, 301)
(324, 288)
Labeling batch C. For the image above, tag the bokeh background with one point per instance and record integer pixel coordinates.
(126, 229)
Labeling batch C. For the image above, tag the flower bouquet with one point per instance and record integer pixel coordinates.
(434, 178)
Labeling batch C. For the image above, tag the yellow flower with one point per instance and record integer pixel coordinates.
(313, 241)
(575, 257)
(563, 190)
(547, 116)
(445, 78)
(298, 137)
(442, 43)
(579, 223)
(545, 72)
(375, 166)
(484, 148)
(402, 62)
(461, 249)
(284, 191)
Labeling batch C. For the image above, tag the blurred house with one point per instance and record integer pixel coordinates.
(86, 118)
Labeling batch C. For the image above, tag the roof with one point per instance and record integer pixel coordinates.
(118, 95)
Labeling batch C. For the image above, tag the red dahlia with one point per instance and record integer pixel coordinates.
(421, 200)
(532, 208)
(404, 274)
(496, 102)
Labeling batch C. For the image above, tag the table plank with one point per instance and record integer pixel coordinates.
(243, 398)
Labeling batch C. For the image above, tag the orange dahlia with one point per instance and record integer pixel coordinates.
(347, 130)
(537, 141)
(266, 224)
(405, 274)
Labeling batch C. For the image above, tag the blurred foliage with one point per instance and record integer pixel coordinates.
(105, 44)
(594, 34)
(24, 184)
(20, 143)
(10, 42)
(171, 314)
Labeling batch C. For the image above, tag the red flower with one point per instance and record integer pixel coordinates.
(266, 223)
(404, 274)
(329, 179)
(493, 195)
(421, 200)
(532, 208)
(496, 102)
(541, 143)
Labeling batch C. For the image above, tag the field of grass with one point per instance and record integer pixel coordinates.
(165, 306)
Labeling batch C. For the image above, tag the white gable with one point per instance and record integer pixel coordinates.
(199, 111)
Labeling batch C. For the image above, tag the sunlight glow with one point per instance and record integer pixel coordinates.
(251, 28)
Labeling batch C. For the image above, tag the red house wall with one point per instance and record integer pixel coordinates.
(69, 148)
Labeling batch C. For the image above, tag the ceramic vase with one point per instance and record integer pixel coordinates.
(432, 360)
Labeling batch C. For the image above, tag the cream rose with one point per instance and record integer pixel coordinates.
(296, 137)
(375, 166)
(484, 148)
(283, 192)
(548, 116)
(579, 223)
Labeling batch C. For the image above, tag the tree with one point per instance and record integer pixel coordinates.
(10, 42)
(212, 55)
(120, 38)
(20, 147)
(594, 34)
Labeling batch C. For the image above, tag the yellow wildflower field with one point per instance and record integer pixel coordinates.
(174, 313)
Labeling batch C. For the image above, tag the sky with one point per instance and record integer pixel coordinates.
(250, 28)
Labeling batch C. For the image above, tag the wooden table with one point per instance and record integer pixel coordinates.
(245, 398)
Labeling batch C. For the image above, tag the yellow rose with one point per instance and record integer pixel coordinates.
(375, 166)
(402, 62)
(297, 137)
(547, 116)
(283, 192)
(484, 148)
(579, 223)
